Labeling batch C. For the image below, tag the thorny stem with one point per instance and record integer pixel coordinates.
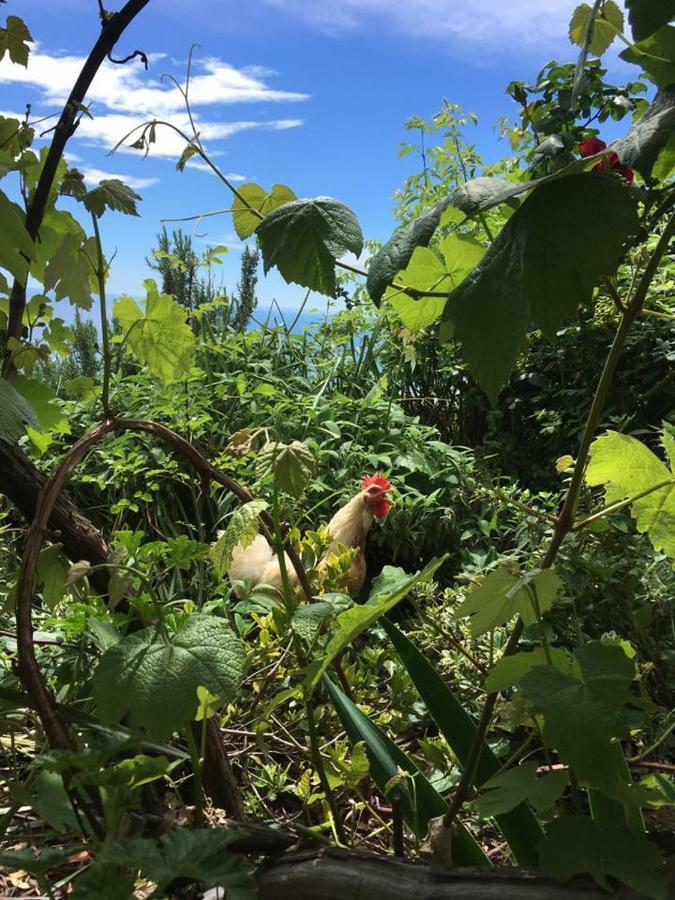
(565, 519)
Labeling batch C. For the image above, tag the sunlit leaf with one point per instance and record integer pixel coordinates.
(504, 792)
(264, 202)
(242, 529)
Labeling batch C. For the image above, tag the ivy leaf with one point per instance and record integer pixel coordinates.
(160, 338)
(304, 238)
(245, 222)
(154, 677)
(14, 40)
(69, 273)
(627, 467)
(16, 244)
(15, 413)
(501, 595)
(644, 145)
(605, 22)
(242, 529)
(582, 715)
(575, 844)
(291, 465)
(538, 270)
(509, 670)
(502, 793)
(388, 589)
(647, 16)
(197, 855)
(655, 55)
(111, 193)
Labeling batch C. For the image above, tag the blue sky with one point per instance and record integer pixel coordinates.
(308, 93)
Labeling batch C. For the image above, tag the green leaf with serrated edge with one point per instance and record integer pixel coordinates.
(500, 596)
(655, 55)
(647, 16)
(385, 759)
(607, 21)
(304, 238)
(309, 618)
(388, 589)
(582, 716)
(159, 337)
(14, 40)
(27, 860)
(245, 222)
(538, 270)
(153, 677)
(44, 402)
(519, 826)
(69, 273)
(15, 413)
(292, 465)
(504, 792)
(649, 146)
(16, 243)
(47, 796)
(576, 845)
(82, 387)
(627, 467)
(508, 671)
(101, 882)
(198, 855)
(242, 529)
(52, 571)
(111, 193)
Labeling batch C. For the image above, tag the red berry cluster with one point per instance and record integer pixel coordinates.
(594, 145)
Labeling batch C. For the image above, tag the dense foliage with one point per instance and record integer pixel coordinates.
(501, 690)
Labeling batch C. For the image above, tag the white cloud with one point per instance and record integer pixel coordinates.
(93, 176)
(123, 97)
(469, 25)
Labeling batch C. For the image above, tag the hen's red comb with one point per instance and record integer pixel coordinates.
(378, 480)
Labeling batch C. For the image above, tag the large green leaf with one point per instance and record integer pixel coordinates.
(627, 467)
(574, 845)
(519, 826)
(242, 529)
(160, 338)
(509, 670)
(197, 855)
(606, 22)
(154, 676)
(504, 792)
(111, 193)
(647, 16)
(649, 136)
(15, 413)
(655, 55)
(501, 595)
(389, 588)
(385, 760)
(70, 272)
(245, 221)
(292, 465)
(538, 270)
(304, 238)
(16, 243)
(582, 716)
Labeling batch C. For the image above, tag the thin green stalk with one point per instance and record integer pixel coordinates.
(105, 336)
(196, 762)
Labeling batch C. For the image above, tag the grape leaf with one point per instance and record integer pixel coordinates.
(245, 222)
(154, 677)
(627, 467)
(502, 793)
(582, 715)
(538, 270)
(45, 404)
(242, 529)
(509, 670)
(14, 40)
(111, 193)
(606, 20)
(304, 238)
(16, 244)
(70, 273)
(647, 16)
(291, 465)
(15, 413)
(160, 338)
(576, 844)
(655, 55)
(391, 586)
(500, 596)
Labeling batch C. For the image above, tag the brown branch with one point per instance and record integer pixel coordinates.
(112, 28)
